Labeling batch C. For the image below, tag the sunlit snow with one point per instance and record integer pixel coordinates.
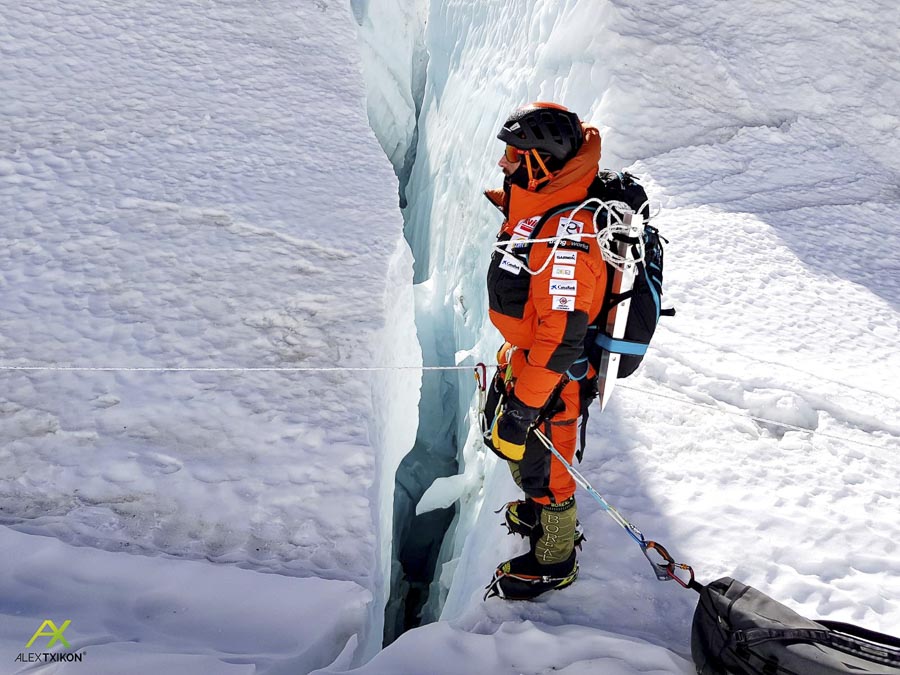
(196, 185)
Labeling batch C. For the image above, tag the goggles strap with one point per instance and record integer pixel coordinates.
(533, 182)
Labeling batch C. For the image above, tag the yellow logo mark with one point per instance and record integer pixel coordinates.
(55, 634)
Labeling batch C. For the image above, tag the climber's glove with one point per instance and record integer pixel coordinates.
(511, 427)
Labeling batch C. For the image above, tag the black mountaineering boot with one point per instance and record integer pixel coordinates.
(550, 564)
(524, 578)
(521, 517)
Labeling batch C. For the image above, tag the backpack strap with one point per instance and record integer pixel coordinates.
(582, 435)
(587, 393)
(620, 346)
(846, 638)
(857, 631)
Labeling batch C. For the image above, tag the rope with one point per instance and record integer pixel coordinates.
(755, 418)
(605, 236)
(363, 369)
(224, 369)
(663, 572)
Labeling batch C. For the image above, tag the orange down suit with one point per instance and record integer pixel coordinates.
(545, 316)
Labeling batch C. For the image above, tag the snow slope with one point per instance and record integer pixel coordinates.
(195, 185)
(161, 615)
(768, 134)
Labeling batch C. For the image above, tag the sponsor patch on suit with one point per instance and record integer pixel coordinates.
(510, 264)
(570, 228)
(525, 226)
(518, 242)
(563, 287)
(564, 271)
(565, 257)
(569, 244)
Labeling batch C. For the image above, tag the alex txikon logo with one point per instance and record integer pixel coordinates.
(49, 630)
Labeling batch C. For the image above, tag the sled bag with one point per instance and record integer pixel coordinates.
(738, 630)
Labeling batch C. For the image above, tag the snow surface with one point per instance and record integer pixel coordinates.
(155, 614)
(195, 185)
(768, 134)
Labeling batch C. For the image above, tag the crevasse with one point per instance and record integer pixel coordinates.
(395, 61)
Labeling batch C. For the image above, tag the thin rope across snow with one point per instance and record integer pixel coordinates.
(332, 369)
(223, 369)
(734, 413)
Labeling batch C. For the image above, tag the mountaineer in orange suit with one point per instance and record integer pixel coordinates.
(542, 297)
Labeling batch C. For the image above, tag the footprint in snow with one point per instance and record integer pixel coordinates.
(156, 463)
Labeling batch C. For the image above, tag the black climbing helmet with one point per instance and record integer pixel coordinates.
(549, 128)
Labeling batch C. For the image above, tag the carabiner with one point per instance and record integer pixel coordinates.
(481, 379)
(668, 571)
(661, 570)
(690, 583)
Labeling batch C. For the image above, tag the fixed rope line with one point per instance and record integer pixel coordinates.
(333, 369)
(746, 416)
(223, 369)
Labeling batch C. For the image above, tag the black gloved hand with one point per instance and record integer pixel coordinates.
(511, 428)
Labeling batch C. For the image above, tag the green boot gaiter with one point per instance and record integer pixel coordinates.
(557, 532)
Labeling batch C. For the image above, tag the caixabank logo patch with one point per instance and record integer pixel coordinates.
(55, 636)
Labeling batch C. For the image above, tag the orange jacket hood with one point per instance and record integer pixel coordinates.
(569, 184)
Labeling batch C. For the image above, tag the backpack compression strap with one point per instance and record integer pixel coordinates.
(843, 637)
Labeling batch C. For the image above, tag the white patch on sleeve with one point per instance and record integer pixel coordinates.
(564, 303)
(564, 271)
(565, 258)
(561, 287)
(510, 264)
(526, 226)
(517, 238)
(570, 229)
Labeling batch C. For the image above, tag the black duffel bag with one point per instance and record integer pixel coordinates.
(738, 630)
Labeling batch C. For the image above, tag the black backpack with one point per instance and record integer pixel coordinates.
(620, 186)
(738, 630)
(646, 294)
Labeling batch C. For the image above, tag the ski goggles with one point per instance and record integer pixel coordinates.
(514, 155)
